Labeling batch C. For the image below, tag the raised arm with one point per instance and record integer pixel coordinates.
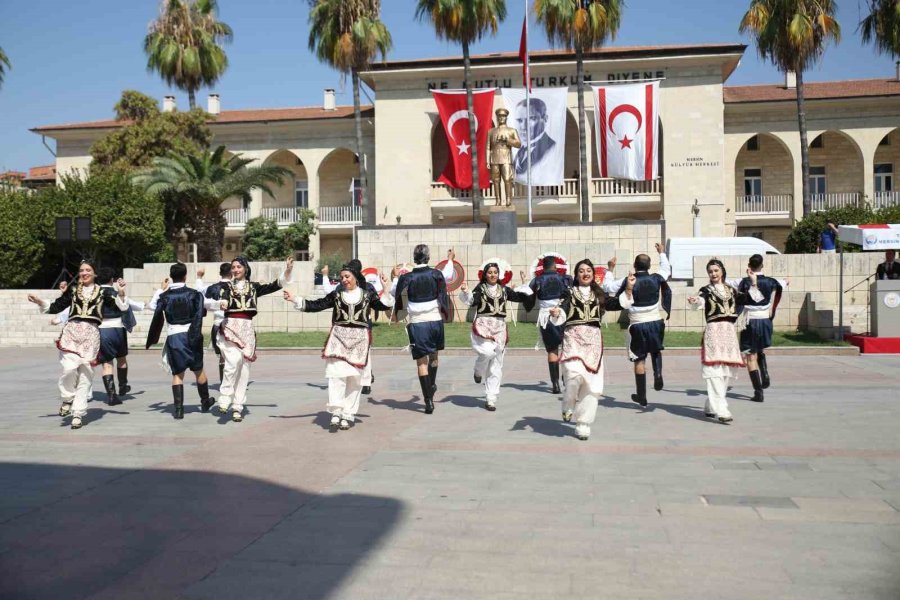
(665, 268)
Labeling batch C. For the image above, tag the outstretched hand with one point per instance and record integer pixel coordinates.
(629, 282)
(35, 299)
(63, 286)
(752, 275)
(464, 287)
(660, 248)
(165, 284)
(554, 312)
(692, 299)
(201, 272)
(451, 255)
(289, 296)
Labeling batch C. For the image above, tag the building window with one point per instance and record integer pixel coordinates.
(753, 144)
(301, 193)
(884, 178)
(753, 183)
(885, 141)
(245, 203)
(757, 234)
(818, 142)
(817, 183)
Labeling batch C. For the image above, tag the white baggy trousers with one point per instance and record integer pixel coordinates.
(583, 389)
(75, 383)
(489, 365)
(717, 378)
(235, 376)
(344, 388)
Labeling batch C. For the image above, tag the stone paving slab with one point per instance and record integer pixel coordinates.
(798, 498)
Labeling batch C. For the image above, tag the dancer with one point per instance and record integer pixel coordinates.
(237, 338)
(79, 342)
(581, 311)
(427, 307)
(647, 328)
(719, 350)
(757, 336)
(489, 333)
(348, 349)
(182, 308)
(548, 288)
(213, 292)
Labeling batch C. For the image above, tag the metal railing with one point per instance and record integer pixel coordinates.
(237, 217)
(885, 199)
(282, 216)
(567, 190)
(822, 202)
(340, 214)
(764, 205)
(624, 187)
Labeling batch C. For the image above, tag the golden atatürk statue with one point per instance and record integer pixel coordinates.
(501, 140)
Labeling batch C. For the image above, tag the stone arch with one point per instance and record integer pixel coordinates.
(772, 163)
(286, 194)
(336, 174)
(886, 170)
(844, 173)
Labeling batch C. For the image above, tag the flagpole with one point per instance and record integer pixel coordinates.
(528, 115)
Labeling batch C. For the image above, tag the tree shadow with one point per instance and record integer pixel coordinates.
(156, 535)
(544, 426)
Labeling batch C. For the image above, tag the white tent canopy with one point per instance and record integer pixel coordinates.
(871, 237)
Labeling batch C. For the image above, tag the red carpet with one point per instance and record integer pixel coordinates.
(875, 345)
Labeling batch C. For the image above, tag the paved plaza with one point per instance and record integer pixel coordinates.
(798, 499)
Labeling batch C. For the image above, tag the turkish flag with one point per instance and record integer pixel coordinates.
(451, 105)
(523, 53)
(627, 121)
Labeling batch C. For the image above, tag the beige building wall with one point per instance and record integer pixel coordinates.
(336, 173)
(890, 154)
(775, 161)
(842, 160)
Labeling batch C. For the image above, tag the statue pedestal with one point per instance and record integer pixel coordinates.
(503, 226)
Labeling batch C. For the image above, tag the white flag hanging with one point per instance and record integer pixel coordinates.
(547, 124)
(627, 121)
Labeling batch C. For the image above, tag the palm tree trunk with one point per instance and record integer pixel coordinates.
(804, 145)
(368, 207)
(582, 136)
(192, 99)
(209, 234)
(473, 137)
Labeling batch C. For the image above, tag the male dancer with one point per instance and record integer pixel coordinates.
(182, 308)
(549, 287)
(427, 307)
(647, 328)
(757, 336)
(212, 292)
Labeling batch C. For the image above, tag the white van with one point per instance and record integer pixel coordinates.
(681, 251)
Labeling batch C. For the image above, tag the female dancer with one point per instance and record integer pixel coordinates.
(581, 355)
(719, 350)
(79, 342)
(489, 333)
(237, 338)
(348, 348)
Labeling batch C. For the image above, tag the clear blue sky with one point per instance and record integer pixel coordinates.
(71, 60)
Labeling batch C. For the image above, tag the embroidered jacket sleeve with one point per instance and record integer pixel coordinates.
(385, 302)
(521, 294)
(159, 319)
(565, 305)
(264, 289)
(319, 304)
(399, 286)
(61, 303)
(443, 298)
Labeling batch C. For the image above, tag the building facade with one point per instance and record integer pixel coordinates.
(732, 152)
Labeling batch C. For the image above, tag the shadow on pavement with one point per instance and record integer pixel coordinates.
(543, 426)
(679, 410)
(76, 532)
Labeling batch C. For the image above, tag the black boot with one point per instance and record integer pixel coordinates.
(656, 357)
(367, 389)
(641, 383)
(432, 375)
(205, 401)
(763, 370)
(427, 394)
(554, 377)
(756, 378)
(221, 372)
(109, 383)
(124, 388)
(178, 396)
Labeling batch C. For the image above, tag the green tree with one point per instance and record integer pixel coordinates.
(805, 234)
(199, 183)
(580, 25)
(184, 45)
(4, 65)
(882, 26)
(466, 22)
(21, 242)
(263, 240)
(147, 133)
(792, 34)
(349, 35)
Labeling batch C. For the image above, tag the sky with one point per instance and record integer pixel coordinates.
(71, 60)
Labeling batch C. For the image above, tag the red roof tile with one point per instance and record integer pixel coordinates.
(256, 115)
(860, 88)
(42, 173)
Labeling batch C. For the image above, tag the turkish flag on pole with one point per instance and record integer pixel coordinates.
(627, 120)
(451, 105)
(523, 53)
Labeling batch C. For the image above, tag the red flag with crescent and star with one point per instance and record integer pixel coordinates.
(627, 121)
(451, 105)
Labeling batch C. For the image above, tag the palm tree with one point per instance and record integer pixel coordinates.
(792, 34)
(4, 60)
(185, 45)
(580, 25)
(465, 21)
(882, 26)
(199, 183)
(348, 35)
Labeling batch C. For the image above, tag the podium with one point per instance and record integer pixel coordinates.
(884, 302)
(503, 228)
